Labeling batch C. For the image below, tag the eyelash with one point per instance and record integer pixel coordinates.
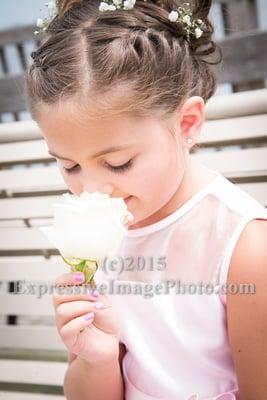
(119, 169)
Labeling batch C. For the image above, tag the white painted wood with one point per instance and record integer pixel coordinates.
(23, 238)
(30, 337)
(31, 180)
(39, 270)
(23, 151)
(19, 131)
(239, 104)
(28, 207)
(234, 129)
(27, 304)
(38, 372)
(247, 162)
(29, 396)
(256, 190)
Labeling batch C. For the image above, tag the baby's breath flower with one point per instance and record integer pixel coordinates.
(129, 4)
(103, 6)
(40, 23)
(191, 27)
(43, 23)
(173, 16)
(187, 19)
(198, 33)
(117, 5)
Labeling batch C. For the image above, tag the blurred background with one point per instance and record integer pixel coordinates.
(240, 27)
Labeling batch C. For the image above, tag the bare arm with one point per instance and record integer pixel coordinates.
(84, 381)
(247, 313)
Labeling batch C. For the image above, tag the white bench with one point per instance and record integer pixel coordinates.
(33, 359)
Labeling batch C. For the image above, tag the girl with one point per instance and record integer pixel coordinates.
(119, 92)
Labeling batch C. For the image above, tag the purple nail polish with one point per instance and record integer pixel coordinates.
(95, 293)
(78, 277)
(98, 305)
(89, 316)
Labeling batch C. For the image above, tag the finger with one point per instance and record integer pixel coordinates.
(70, 331)
(65, 312)
(63, 294)
(70, 278)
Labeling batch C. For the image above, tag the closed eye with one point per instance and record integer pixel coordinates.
(116, 169)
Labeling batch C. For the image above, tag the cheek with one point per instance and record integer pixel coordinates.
(160, 178)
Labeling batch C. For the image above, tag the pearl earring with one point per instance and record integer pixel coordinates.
(189, 140)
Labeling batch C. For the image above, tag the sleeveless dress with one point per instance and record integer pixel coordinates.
(176, 338)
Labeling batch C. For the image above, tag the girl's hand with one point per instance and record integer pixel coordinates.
(95, 339)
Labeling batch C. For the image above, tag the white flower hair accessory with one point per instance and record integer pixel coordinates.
(112, 5)
(43, 23)
(192, 27)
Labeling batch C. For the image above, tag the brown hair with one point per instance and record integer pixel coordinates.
(125, 61)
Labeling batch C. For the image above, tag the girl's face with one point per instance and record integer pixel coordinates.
(138, 159)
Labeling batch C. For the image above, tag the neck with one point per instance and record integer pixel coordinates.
(194, 179)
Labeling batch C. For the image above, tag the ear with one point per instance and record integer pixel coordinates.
(192, 117)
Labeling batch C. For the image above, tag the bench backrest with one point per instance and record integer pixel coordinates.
(234, 141)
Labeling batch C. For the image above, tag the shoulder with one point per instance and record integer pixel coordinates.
(247, 311)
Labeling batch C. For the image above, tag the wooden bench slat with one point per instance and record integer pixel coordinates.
(227, 131)
(23, 238)
(35, 372)
(26, 304)
(43, 270)
(256, 190)
(29, 180)
(28, 207)
(237, 163)
(241, 104)
(30, 337)
(12, 89)
(29, 396)
(19, 131)
(22, 152)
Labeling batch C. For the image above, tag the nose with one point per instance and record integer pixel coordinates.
(107, 189)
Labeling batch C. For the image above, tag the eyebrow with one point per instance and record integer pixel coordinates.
(112, 149)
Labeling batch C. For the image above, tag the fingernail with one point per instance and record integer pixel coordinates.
(89, 316)
(99, 305)
(95, 293)
(79, 277)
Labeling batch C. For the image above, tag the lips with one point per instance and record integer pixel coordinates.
(126, 199)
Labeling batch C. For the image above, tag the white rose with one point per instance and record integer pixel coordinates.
(90, 226)
(173, 16)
